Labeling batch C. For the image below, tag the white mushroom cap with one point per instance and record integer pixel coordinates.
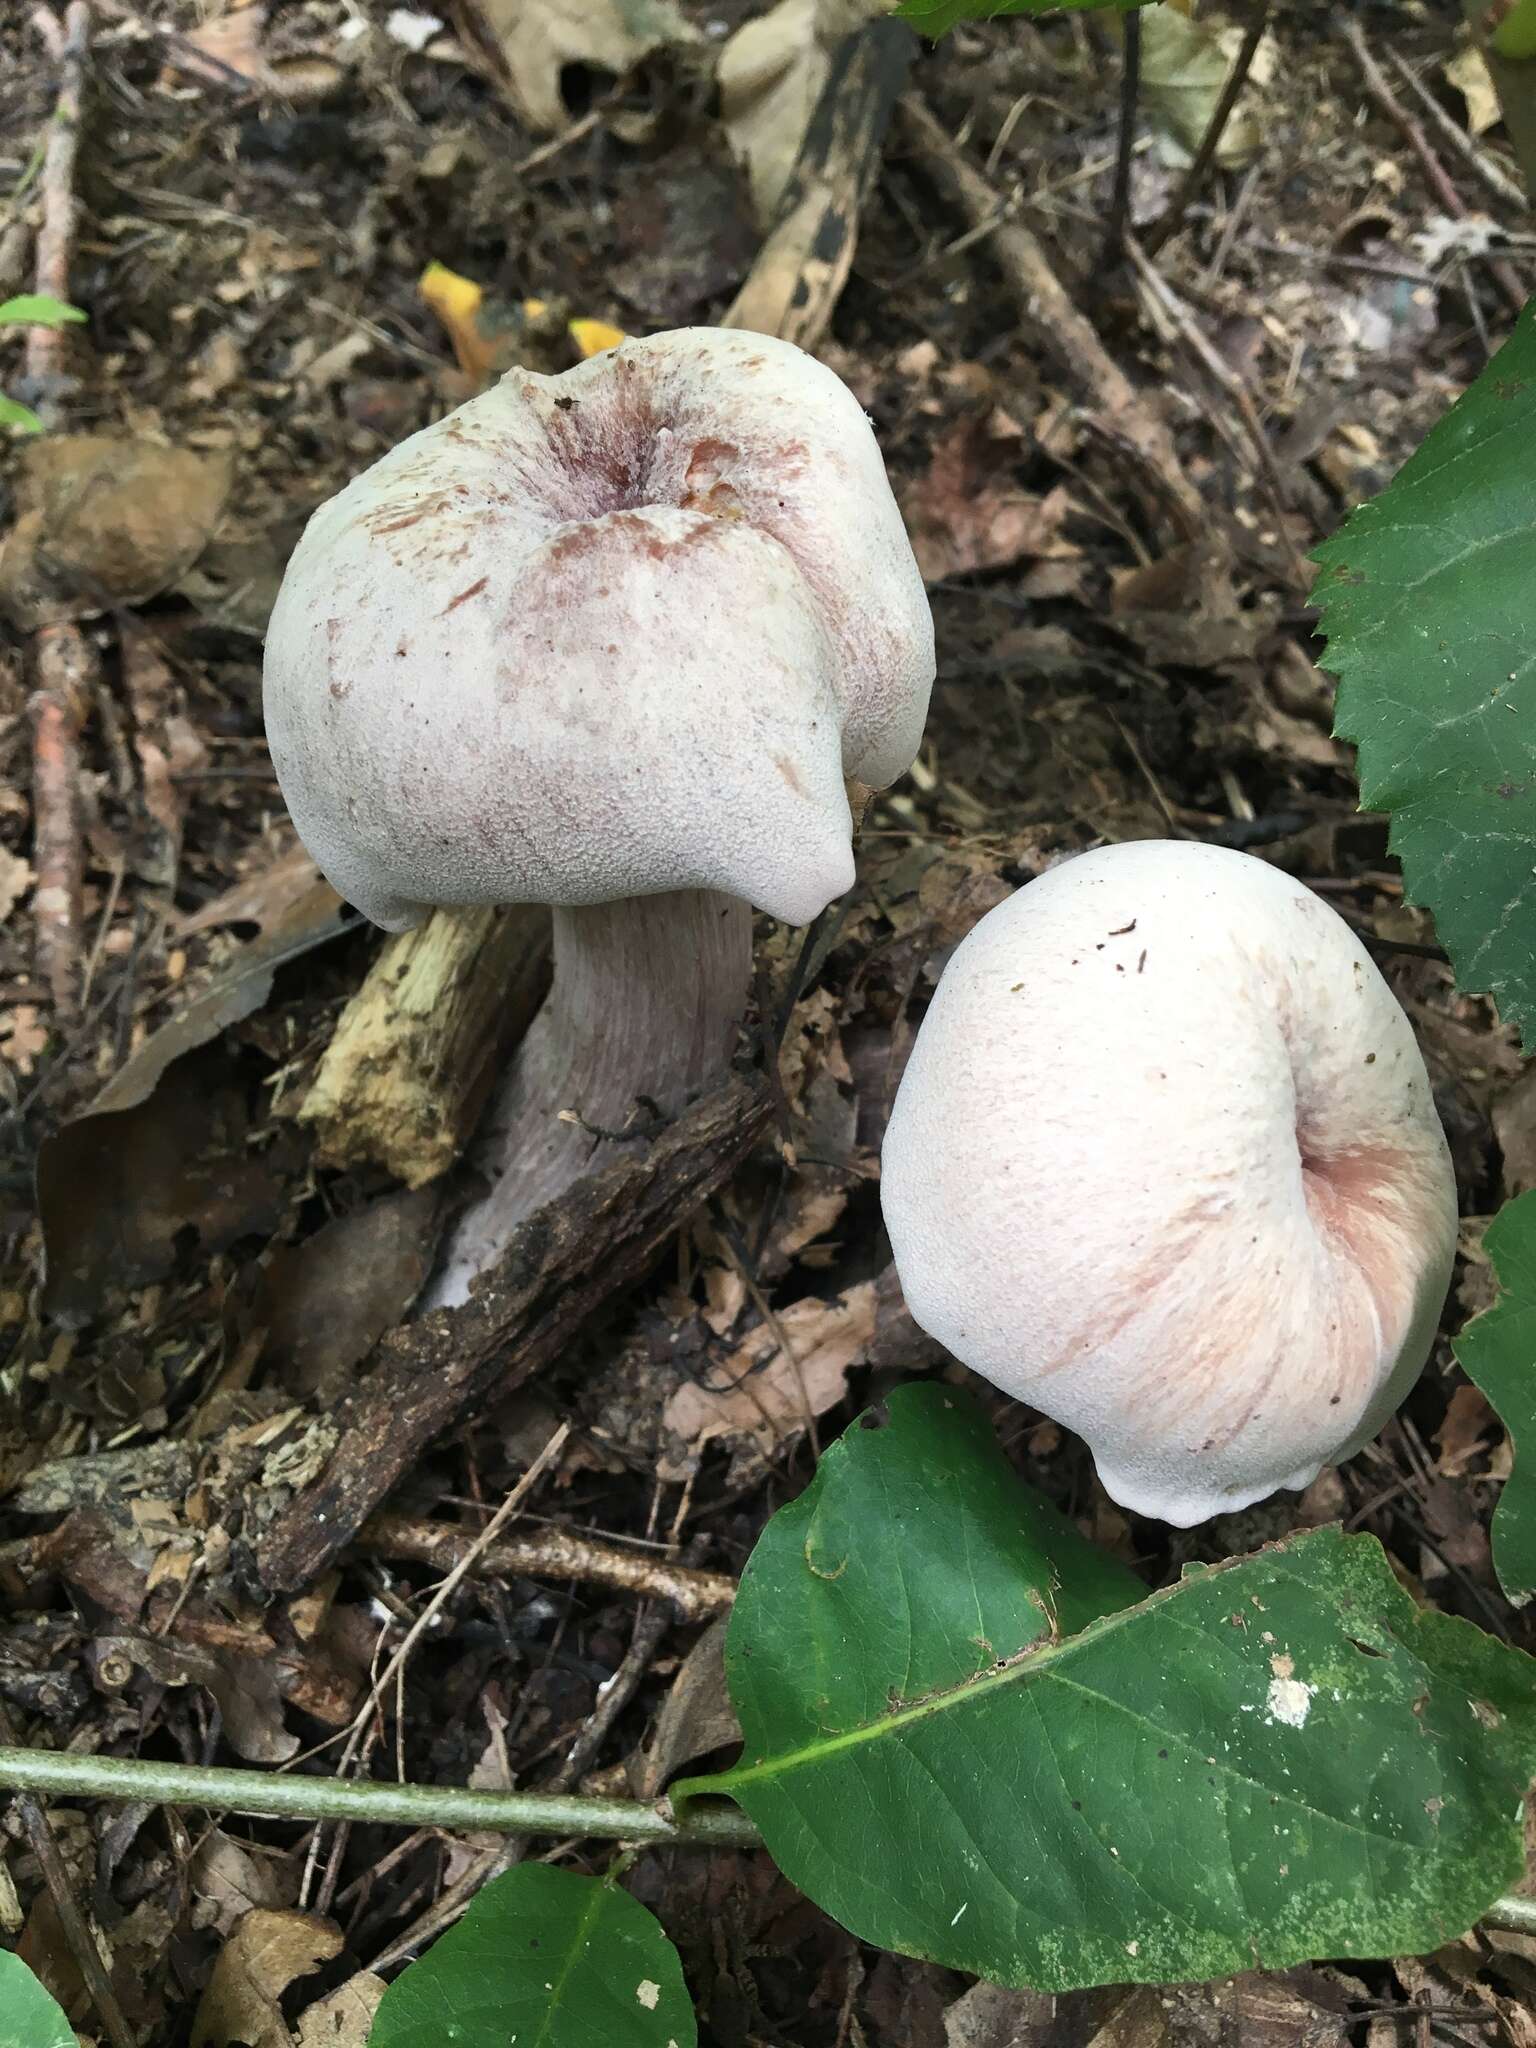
(1165, 1165)
(606, 634)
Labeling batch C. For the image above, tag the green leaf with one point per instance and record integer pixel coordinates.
(1497, 1352)
(14, 415)
(36, 309)
(937, 17)
(1428, 601)
(1277, 1759)
(547, 1959)
(29, 2016)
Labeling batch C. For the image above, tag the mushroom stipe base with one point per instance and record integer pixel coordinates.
(647, 998)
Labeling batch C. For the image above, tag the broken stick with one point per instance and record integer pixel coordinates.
(801, 269)
(1053, 322)
(567, 1259)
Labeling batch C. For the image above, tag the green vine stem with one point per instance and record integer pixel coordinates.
(270, 1795)
(1512, 28)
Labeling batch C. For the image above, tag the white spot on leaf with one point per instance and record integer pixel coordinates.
(648, 1994)
(1290, 1701)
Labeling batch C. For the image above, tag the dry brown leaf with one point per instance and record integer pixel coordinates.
(696, 1719)
(102, 522)
(538, 38)
(267, 898)
(771, 75)
(343, 2020)
(1463, 1435)
(965, 512)
(1468, 72)
(766, 1392)
(16, 879)
(233, 1880)
(1184, 66)
(264, 1955)
(990, 2016)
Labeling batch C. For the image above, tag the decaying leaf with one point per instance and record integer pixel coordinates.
(345, 2019)
(1468, 72)
(245, 1688)
(266, 1953)
(966, 512)
(762, 1392)
(536, 39)
(102, 521)
(994, 2016)
(233, 1879)
(696, 1720)
(122, 1193)
(771, 75)
(116, 1186)
(285, 888)
(1184, 66)
(325, 1303)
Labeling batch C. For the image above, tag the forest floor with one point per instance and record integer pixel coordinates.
(261, 190)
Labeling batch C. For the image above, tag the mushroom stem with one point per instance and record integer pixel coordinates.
(647, 996)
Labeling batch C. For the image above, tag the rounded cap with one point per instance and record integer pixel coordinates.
(1165, 1165)
(606, 634)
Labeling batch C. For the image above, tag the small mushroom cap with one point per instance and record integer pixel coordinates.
(606, 634)
(1165, 1165)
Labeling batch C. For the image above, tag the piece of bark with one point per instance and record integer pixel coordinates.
(1051, 320)
(406, 1074)
(567, 1260)
(803, 265)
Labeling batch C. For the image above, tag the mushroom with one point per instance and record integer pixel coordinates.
(614, 641)
(1165, 1165)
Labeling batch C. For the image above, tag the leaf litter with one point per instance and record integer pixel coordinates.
(258, 319)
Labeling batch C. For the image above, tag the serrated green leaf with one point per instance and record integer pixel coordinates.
(36, 309)
(29, 2016)
(1497, 1352)
(938, 17)
(14, 415)
(546, 1959)
(1428, 601)
(1274, 1760)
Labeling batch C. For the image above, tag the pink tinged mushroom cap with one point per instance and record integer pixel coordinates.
(1165, 1165)
(612, 633)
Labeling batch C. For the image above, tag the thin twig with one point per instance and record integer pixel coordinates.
(61, 1890)
(1210, 141)
(1376, 84)
(1499, 183)
(651, 1624)
(478, 1546)
(1233, 385)
(1111, 401)
(1120, 194)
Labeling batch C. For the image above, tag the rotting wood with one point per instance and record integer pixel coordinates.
(566, 1260)
(1051, 320)
(553, 1553)
(407, 1071)
(801, 269)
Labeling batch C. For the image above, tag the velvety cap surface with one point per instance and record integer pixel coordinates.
(1165, 1165)
(605, 634)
